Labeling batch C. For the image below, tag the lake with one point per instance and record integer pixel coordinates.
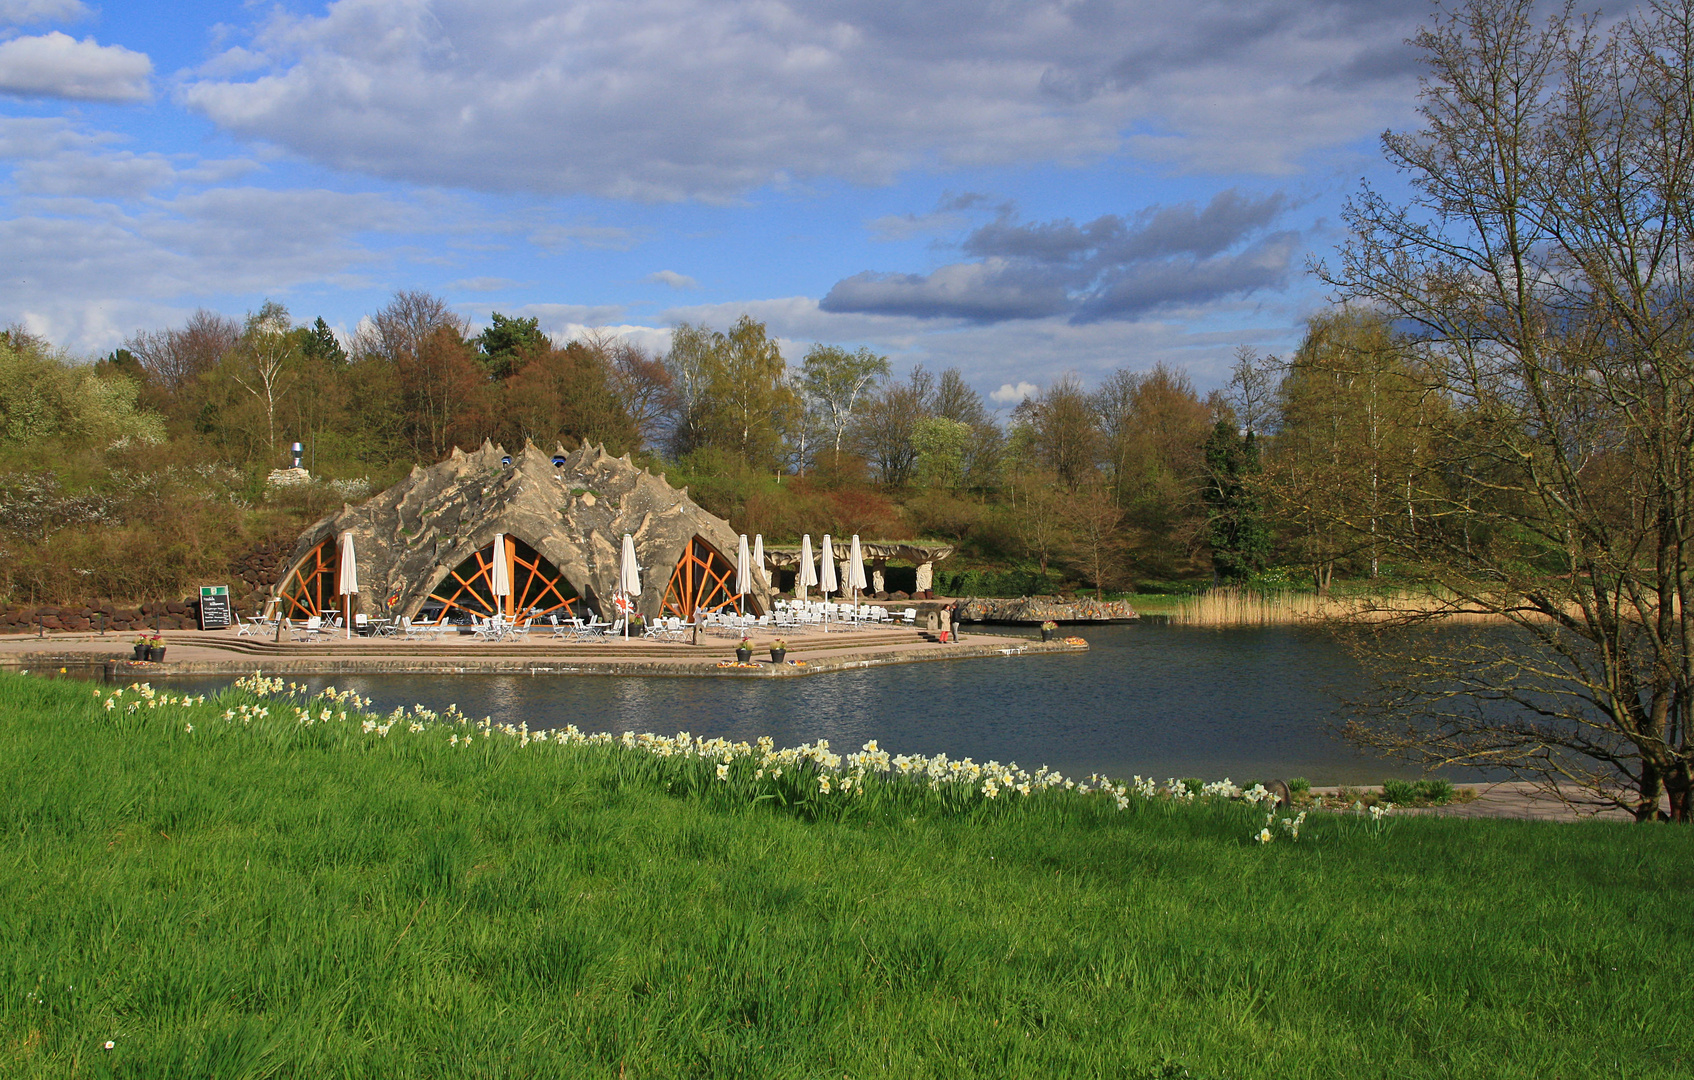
(1148, 698)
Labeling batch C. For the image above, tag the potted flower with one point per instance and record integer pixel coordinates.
(141, 643)
(156, 648)
(1047, 629)
(779, 650)
(744, 651)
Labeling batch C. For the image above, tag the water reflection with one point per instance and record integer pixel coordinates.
(1148, 698)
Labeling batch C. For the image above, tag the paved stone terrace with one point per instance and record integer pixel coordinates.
(223, 652)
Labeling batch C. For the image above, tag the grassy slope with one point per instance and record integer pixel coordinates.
(246, 902)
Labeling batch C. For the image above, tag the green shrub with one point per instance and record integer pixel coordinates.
(998, 582)
(1436, 792)
(1299, 785)
(1400, 792)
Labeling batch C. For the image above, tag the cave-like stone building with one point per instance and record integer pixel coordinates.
(425, 547)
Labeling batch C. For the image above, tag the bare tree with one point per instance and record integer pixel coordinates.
(1542, 266)
(175, 358)
(263, 358)
(887, 425)
(838, 382)
(1096, 522)
(640, 381)
(403, 325)
(1064, 430)
(1252, 390)
(1041, 515)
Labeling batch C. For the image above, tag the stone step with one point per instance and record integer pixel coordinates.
(711, 647)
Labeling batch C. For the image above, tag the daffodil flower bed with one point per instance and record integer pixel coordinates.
(271, 882)
(811, 778)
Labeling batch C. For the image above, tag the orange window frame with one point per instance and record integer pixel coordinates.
(310, 589)
(536, 583)
(703, 581)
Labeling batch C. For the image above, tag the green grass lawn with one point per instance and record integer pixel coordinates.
(275, 899)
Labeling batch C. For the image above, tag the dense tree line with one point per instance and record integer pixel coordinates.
(1138, 479)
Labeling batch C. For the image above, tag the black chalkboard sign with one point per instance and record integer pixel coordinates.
(214, 607)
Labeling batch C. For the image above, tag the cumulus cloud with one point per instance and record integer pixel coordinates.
(677, 99)
(31, 12)
(1110, 268)
(1014, 395)
(58, 65)
(673, 279)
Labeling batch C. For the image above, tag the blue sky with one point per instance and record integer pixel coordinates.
(1021, 190)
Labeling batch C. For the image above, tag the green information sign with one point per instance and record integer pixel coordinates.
(214, 607)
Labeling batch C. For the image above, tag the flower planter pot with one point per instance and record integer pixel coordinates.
(1047, 635)
(156, 653)
(744, 656)
(141, 652)
(777, 655)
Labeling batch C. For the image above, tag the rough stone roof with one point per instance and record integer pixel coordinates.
(408, 538)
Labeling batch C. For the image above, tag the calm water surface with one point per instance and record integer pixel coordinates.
(1148, 698)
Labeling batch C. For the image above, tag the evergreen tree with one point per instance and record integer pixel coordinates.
(503, 344)
(1240, 541)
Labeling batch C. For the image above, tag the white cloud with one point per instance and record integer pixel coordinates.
(602, 237)
(96, 243)
(992, 356)
(673, 279)
(31, 12)
(676, 99)
(1014, 395)
(482, 284)
(58, 65)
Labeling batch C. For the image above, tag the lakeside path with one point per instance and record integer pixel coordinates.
(224, 652)
(1516, 799)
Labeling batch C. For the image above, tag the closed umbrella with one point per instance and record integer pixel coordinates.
(500, 578)
(743, 574)
(806, 575)
(827, 584)
(855, 570)
(347, 580)
(759, 558)
(629, 577)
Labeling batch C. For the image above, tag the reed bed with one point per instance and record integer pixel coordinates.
(1235, 607)
(260, 885)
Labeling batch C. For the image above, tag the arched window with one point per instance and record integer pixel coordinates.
(537, 585)
(310, 589)
(703, 581)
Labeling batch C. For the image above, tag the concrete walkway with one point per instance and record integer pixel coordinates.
(1509, 799)
(224, 652)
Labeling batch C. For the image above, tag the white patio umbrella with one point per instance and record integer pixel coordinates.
(347, 580)
(500, 575)
(855, 570)
(759, 558)
(826, 584)
(629, 578)
(805, 575)
(743, 575)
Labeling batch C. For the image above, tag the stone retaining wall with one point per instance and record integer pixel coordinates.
(175, 615)
(249, 577)
(1036, 609)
